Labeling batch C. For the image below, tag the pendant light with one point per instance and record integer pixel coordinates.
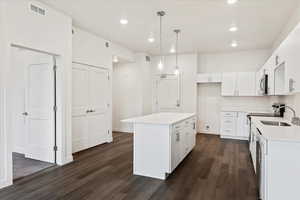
(160, 64)
(176, 71)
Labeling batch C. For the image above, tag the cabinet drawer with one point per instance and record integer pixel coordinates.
(227, 132)
(228, 123)
(228, 114)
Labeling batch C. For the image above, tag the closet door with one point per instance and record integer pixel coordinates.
(98, 102)
(80, 107)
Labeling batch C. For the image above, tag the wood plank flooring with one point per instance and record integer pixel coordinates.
(215, 170)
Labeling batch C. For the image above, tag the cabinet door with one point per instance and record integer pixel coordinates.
(242, 125)
(246, 84)
(175, 149)
(79, 108)
(229, 84)
(293, 61)
(98, 102)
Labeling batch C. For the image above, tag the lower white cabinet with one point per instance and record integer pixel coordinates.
(90, 107)
(183, 140)
(234, 125)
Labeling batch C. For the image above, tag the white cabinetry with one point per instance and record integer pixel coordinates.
(234, 125)
(239, 84)
(90, 107)
(209, 78)
(229, 84)
(246, 84)
(183, 141)
(161, 141)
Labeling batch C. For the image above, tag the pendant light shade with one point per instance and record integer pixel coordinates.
(161, 63)
(177, 71)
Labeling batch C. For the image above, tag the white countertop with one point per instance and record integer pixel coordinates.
(160, 118)
(275, 133)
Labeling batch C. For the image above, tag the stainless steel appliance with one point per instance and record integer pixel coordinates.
(264, 88)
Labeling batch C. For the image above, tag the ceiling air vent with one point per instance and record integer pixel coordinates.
(37, 10)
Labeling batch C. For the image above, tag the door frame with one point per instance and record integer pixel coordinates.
(8, 116)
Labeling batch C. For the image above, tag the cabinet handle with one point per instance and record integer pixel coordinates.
(88, 111)
(25, 113)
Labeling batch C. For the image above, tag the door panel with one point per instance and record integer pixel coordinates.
(98, 101)
(39, 105)
(168, 93)
(79, 108)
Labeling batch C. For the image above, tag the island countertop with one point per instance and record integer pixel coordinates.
(160, 118)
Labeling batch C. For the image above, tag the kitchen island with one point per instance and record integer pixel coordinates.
(161, 142)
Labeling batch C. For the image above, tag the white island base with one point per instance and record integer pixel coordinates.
(161, 142)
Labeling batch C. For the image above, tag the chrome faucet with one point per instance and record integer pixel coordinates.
(295, 119)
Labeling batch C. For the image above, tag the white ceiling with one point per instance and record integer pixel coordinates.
(204, 23)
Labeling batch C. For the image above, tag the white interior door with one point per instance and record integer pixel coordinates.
(40, 110)
(168, 98)
(98, 101)
(80, 106)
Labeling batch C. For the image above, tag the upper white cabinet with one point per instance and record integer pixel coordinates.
(229, 84)
(283, 66)
(90, 49)
(209, 78)
(239, 84)
(292, 59)
(246, 84)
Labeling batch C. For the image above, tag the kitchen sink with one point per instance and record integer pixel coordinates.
(274, 123)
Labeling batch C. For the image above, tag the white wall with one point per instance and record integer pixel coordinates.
(131, 91)
(210, 101)
(188, 69)
(52, 34)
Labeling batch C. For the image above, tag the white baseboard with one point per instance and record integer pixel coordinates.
(234, 137)
(5, 183)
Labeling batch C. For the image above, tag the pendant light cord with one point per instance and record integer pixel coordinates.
(177, 31)
(160, 14)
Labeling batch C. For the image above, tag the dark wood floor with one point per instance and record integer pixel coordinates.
(215, 170)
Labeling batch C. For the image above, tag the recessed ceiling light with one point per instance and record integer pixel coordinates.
(115, 59)
(124, 21)
(231, 2)
(233, 28)
(172, 50)
(151, 39)
(234, 44)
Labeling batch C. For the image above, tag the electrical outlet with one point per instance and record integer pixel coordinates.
(207, 127)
